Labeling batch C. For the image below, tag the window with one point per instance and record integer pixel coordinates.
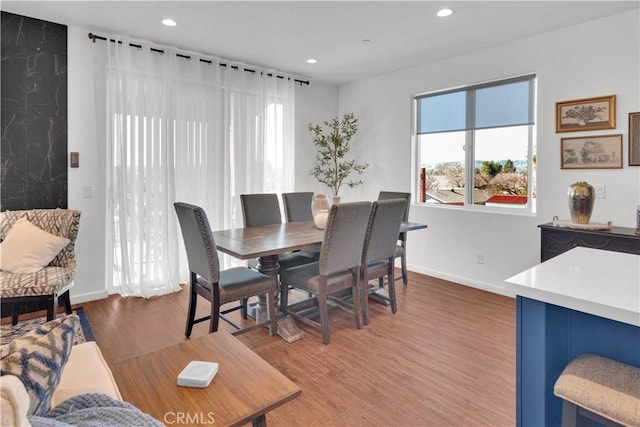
(479, 137)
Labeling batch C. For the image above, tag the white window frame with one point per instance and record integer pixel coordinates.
(469, 148)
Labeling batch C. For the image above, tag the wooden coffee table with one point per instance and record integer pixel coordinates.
(245, 388)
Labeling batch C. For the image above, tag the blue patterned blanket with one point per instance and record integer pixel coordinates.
(92, 410)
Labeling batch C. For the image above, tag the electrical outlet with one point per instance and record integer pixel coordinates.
(479, 257)
(601, 191)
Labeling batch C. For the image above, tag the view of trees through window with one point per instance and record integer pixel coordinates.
(497, 161)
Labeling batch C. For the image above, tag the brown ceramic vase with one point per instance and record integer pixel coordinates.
(581, 199)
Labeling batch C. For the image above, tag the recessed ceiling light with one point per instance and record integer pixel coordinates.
(169, 22)
(444, 12)
(311, 61)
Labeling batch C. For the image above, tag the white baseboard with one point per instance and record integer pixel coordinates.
(490, 287)
(91, 296)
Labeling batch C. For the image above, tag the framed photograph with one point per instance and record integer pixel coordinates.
(591, 152)
(634, 139)
(586, 114)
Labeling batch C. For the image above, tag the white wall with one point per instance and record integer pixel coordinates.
(87, 136)
(567, 68)
(593, 59)
(314, 103)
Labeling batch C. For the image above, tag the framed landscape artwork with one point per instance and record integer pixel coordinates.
(591, 152)
(634, 139)
(586, 114)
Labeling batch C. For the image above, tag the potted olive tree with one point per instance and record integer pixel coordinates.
(332, 142)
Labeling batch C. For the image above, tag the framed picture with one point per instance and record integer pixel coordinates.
(591, 152)
(634, 139)
(586, 114)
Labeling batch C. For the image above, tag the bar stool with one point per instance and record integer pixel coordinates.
(597, 389)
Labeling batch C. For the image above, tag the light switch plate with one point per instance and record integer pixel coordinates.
(74, 159)
(87, 192)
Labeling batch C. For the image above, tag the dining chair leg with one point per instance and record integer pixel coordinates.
(392, 289)
(271, 301)
(357, 307)
(324, 314)
(215, 310)
(364, 298)
(215, 317)
(403, 264)
(191, 313)
(244, 311)
(261, 421)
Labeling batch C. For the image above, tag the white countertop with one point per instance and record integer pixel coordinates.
(594, 281)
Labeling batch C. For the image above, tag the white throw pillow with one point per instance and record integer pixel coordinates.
(27, 248)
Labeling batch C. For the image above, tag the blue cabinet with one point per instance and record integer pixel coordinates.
(548, 337)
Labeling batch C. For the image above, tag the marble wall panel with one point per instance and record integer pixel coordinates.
(14, 195)
(33, 147)
(13, 150)
(46, 147)
(13, 85)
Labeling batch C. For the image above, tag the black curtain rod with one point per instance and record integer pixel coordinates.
(95, 37)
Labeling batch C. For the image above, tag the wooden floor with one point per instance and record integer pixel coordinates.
(446, 358)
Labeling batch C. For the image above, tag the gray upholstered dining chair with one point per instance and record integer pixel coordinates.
(338, 268)
(260, 209)
(218, 287)
(297, 207)
(264, 209)
(379, 250)
(401, 248)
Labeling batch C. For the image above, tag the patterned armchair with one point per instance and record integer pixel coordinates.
(52, 282)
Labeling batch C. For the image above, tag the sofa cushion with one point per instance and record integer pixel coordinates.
(60, 222)
(27, 248)
(38, 358)
(15, 402)
(85, 372)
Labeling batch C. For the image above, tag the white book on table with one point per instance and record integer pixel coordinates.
(197, 374)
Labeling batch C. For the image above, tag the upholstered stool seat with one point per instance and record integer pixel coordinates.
(599, 389)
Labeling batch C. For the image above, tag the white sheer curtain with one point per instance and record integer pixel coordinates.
(185, 130)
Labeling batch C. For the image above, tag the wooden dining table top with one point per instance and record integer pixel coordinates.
(273, 239)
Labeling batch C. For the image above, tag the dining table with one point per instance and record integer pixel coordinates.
(266, 243)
